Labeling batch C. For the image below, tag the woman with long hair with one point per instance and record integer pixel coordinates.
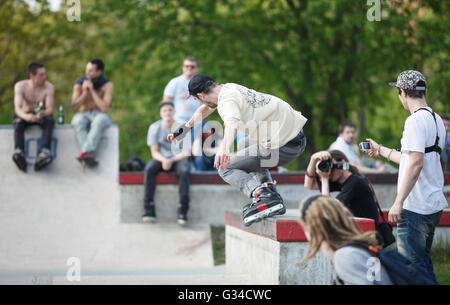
(328, 225)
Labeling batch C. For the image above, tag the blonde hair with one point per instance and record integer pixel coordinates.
(331, 222)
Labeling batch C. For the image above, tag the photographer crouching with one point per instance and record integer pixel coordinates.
(330, 171)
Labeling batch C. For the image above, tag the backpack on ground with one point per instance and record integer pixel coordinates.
(401, 271)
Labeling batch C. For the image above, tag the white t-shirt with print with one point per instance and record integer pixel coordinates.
(427, 195)
(265, 118)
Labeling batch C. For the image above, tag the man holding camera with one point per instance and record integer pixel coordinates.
(418, 206)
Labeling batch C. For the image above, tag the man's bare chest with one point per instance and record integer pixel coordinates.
(34, 96)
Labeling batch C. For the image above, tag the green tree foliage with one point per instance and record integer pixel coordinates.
(324, 56)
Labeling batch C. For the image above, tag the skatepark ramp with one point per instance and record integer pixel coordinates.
(64, 221)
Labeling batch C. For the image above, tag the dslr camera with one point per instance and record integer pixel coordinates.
(325, 165)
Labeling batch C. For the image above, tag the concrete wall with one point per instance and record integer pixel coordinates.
(209, 202)
(269, 262)
(64, 150)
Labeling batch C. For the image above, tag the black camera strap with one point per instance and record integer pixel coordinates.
(435, 147)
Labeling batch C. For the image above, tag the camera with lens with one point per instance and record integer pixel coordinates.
(325, 165)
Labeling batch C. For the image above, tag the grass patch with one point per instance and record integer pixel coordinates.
(218, 244)
(440, 255)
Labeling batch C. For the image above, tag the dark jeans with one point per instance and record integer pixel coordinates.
(181, 169)
(46, 123)
(415, 233)
(203, 163)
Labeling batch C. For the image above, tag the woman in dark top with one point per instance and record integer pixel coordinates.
(355, 191)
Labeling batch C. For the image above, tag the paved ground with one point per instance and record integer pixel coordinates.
(64, 220)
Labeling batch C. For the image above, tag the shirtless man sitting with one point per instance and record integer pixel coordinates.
(92, 95)
(33, 105)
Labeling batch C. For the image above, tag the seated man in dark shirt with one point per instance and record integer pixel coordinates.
(356, 193)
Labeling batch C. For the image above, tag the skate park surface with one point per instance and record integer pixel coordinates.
(65, 221)
(67, 218)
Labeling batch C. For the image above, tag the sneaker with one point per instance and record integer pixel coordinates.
(19, 158)
(80, 157)
(43, 159)
(182, 214)
(89, 158)
(149, 215)
(266, 203)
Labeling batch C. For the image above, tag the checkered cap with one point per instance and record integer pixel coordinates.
(409, 80)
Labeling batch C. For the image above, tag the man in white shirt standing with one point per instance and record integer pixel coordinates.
(276, 136)
(418, 206)
(177, 91)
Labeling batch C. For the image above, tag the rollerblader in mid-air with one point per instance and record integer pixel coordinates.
(275, 133)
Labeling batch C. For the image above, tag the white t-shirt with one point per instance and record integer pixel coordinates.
(265, 118)
(185, 105)
(427, 195)
(345, 148)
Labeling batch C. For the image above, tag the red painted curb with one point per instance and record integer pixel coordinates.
(283, 228)
(213, 178)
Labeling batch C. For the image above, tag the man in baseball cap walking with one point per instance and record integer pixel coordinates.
(418, 206)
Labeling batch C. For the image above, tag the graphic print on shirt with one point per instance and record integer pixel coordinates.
(254, 98)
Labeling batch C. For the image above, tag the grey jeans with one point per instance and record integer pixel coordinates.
(89, 126)
(249, 166)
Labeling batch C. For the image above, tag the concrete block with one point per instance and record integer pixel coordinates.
(268, 252)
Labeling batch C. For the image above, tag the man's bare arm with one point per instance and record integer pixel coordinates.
(49, 101)
(200, 114)
(78, 96)
(411, 176)
(103, 103)
(19, 100)
(154, 149)
(182, 155)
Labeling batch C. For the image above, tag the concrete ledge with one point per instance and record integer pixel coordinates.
(268, 252)
(211, 196)
(284, 228)
(133, 178)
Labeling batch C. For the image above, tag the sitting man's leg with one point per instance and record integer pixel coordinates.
(19, 143)
(44, 157)
(182, 170)
(152, 168)
(100, 122)
(81, 122)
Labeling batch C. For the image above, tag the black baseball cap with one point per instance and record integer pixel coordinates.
(200, 83)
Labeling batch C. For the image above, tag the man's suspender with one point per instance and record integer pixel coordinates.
(435, 147)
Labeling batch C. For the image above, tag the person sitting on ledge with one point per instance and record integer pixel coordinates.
(166, 157)
(33, 105)
(92, 94)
